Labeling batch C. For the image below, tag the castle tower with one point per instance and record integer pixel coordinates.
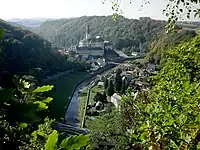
(87, 35)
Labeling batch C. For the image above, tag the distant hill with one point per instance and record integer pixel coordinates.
(30, 23)
(18, 25)
(194, 26)
(124, 33)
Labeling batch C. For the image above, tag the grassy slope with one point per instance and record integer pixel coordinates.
(61, 92)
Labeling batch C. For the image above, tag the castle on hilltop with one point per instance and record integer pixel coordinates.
(92, 46)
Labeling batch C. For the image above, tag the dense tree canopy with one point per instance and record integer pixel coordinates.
(122, 32)
(160, 46)
(110, 90)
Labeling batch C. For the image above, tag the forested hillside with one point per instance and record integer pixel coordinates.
(122, 32)
(22, 51)
(159, 47)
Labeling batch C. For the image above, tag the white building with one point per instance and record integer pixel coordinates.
(116, 100)
(100, 84)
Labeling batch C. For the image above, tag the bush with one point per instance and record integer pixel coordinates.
(92, 113)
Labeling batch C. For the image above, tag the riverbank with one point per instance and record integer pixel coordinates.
(63, 88)
(56, 76)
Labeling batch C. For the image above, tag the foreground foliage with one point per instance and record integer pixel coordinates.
(24, 123)
(168, 117)
(71, 143)
(22, 114)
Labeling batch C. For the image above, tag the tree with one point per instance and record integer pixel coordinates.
(110, 89)
(118, 80)
(104, 96)
(123, 88)
(99, 97)
(105, 84)
(160, 46)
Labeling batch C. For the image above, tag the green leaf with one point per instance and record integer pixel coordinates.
(173, 144)
(75, 142)
(23, 125)
(41, 105)
(198, 146)
(144, 136)
(51, 141)
(64, 143)
(47, 100)
(44, 88)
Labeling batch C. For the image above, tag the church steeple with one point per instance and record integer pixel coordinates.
(87, 36)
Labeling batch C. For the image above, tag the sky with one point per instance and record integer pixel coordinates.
(77, 8)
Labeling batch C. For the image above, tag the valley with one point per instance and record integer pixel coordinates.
(102, 81)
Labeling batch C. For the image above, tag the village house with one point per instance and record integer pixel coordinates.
(100, 84)
(94, 66)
